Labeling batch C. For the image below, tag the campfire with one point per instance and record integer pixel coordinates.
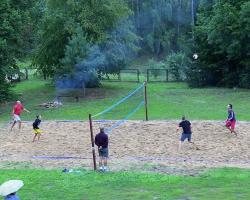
(54, 104)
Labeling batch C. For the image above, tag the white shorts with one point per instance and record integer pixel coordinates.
(17, 118)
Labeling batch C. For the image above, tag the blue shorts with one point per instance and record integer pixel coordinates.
(104, 152)
(186, 136)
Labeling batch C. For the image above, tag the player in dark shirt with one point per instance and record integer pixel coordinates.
(101, 140)
(187, 132)
(36, 129)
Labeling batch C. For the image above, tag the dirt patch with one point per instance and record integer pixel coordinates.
(136, 145)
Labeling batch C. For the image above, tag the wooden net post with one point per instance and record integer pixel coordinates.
(92, 141)
(146, 100)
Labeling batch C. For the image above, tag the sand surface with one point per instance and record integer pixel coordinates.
(135, 145)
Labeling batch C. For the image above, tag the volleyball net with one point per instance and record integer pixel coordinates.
(131, 106)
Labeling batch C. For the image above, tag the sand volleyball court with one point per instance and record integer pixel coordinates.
(134, 145)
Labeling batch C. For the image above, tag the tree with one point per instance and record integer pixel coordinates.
(163, 25)
(51, 46)
(244, 21)
(78, 67)
(17, 35)
(221, 37)
(10, 28)
(76, 51)
(61, 20)
(177, 64)
(84, 60)
(120, 47)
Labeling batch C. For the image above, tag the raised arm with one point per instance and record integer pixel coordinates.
(26, 110)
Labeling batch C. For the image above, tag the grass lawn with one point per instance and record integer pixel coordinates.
(227, 184)
(166, 101)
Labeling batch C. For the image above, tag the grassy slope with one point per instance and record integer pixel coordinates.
(166, 101)
(54, 185)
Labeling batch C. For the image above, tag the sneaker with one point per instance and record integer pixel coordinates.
(101, 168)
(105, 168)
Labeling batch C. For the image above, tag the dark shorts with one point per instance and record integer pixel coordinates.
(185, 136)
(104, 152)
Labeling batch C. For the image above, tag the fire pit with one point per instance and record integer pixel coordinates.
(54, 104)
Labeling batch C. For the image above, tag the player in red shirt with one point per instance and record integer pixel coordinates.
(17, 110)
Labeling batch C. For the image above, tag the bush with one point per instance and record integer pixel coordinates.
(5, 92)
(177, 64)
(245, 79)
(199, 76)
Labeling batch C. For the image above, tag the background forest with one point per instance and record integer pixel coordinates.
(73, 42)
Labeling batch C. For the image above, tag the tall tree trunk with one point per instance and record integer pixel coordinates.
(44, 75)
(192, 10)
(137, 13)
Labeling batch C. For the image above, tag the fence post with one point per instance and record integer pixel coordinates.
(138, 76)
(147, 75)
(119, 75)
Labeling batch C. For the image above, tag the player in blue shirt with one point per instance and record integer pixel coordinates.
(231, 119)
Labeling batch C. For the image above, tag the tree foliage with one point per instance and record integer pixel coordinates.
(10, 30)
(78, 39)
(163, 25)
(61, 20)
(18, 25)
(76, 51)
(177, 63)
(222, 42)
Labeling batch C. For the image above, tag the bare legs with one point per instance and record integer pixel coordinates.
(103, 162)
(100, 162)
(38, 137)
(190, 142)
(19, 125)
(195, 146)
(232, 130)
(179, 147)
(14, 123)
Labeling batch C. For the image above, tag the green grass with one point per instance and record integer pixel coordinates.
(165, 100)
(227, 184)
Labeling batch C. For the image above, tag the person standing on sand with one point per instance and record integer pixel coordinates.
(37, 130)
(231, 119)
(101, 140)
(17, 110)
(186, 134)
